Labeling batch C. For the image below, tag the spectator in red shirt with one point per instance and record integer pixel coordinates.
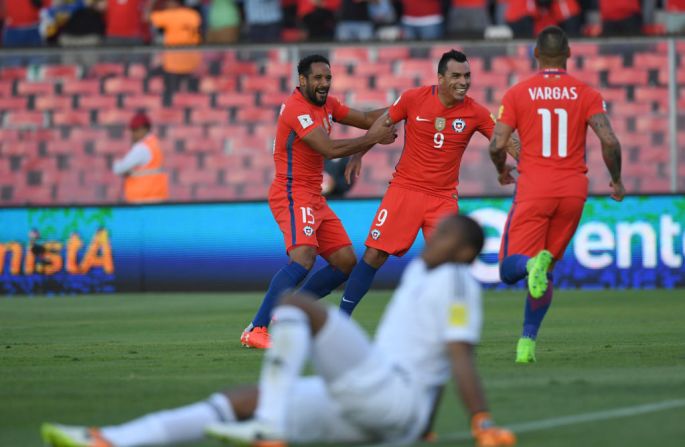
(422, 20)
(675, 16)
(318, 17)
(125, 23)
(527, 18)
(622, 18)
(22, 18)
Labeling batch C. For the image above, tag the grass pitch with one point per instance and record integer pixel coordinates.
(104, 359)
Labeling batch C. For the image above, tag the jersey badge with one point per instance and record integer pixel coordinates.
(440, 124)
(308, 231)
(457, 315)
(459, 125)
(375, 234)
(305, 121)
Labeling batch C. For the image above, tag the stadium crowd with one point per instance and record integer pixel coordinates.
(131, 22)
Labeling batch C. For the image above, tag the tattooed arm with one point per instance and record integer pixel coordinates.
(611, 152)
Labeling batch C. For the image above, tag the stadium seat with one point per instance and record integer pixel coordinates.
(52, 72)
(392, 54)
(35, 88)
(239, 68)
(234, 99)
(281, 69)
(168, 116)
(208, 116)
(372, 69)
(22, 118)
(275, 99)
(628, 76)
(113, 116)
(210, 84)
(71, 118)
(81, 87)
(52, 102)
(369, 98)
(256, 114)
(6, 88)
(190, 100)
(123, 85)
(266, 84)
(97, 102)
(13, 73)
(352, 55)
(13, 103)
(397, 82)
(423, 69)
(102, 70)
(151, 103)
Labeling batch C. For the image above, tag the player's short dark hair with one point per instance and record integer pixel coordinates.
(448, 56)
(471, 232)
(304, 67)
(552, 43)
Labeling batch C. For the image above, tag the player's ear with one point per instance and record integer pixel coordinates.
(536, 52)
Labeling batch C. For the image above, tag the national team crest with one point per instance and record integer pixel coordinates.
(459, 125)
(308, 231)
(440, 124)
(375, 234)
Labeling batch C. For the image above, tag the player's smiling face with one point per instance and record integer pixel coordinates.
(456, 81)
(315, 86)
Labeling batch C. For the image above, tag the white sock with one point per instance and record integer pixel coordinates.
(282, 364)
(183, 424)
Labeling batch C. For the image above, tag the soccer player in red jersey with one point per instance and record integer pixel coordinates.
(551, 111)
(440, 121)
(308, 225)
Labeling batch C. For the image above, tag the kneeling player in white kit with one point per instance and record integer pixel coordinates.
(364, 391)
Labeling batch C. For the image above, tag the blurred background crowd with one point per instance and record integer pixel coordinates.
(71, 23)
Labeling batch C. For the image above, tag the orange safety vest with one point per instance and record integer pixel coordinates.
(148, 183)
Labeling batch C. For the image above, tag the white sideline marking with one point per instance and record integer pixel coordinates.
(544, 424)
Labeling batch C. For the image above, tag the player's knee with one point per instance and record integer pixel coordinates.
(304, 255)
(506, 276)
(375, 258)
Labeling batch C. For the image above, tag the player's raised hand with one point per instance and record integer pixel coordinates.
(353, 168)
(382, 130)
(506, 177)
(619, 190)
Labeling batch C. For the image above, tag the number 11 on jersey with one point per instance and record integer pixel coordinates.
(562, 132)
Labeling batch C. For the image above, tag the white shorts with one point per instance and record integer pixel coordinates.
(371, 401)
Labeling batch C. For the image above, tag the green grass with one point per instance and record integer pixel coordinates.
(105, 359)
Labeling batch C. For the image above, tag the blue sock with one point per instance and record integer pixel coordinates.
(358, 284)
(535, 311)
(513, 268)
(324, 281)
(286, 278)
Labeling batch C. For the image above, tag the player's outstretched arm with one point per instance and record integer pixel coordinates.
(498, 152)
(362, 120)
(611, 152)
(381, 131)
(471, 392)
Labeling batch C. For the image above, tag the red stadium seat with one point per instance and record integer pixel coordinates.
(191, 131)
(123, 85)
(208, 116)
(113, 117)
(191, 100)
(81, 87)
(52, 72)
(422, 68)
(273, 99)
(97, 102)
(169, 116)
(51, 102)
(628, 76)
(341, 84)
(106, 69)
(6, 88)
(372, 69)
(239, 68)
(13, 73)
(369, 98)
(256, 114)
(146, 102)
(266, 84)
(353, 55)
(397, 82)
(611, 63)
(71, 118)
(391, 54)
(235, 99)
(14, 103)
(35, 88)
(282, 69)
(202, 145)
(22, 118)
(217, 84)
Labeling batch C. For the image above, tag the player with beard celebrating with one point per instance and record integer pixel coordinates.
(308, 225)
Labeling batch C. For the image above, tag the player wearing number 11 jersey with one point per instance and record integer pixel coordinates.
(439, 123)
(551, 112)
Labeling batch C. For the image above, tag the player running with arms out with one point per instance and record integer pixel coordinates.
(365, 391)
(439, 123)
(551, 111)
(308, 225)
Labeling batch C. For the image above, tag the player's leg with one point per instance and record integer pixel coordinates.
(296, 218)
(393, 231)
(336, 248)
(183, 424)
(436, 208)
(525, 234)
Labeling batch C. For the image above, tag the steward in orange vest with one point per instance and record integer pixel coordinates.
(144, 178)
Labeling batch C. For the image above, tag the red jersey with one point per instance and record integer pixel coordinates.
(124, 18)
(298, 165)
(551, 110)
(423, 8)
(435, 139)
(613, 10)
(22, 13)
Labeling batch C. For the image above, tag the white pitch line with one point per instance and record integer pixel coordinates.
(544, 424)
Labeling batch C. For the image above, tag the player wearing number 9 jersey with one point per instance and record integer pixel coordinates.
(551, 111)
(439, 123)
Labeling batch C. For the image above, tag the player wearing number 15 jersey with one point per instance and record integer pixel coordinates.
(439, 123)
(551, 112)
(309, 226)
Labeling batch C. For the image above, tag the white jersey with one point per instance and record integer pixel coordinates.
(429, 309)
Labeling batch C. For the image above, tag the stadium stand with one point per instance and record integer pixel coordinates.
(63, 124)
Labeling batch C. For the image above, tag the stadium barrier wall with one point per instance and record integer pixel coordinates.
(639, 243)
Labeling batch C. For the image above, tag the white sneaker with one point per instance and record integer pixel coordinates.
(252, 432)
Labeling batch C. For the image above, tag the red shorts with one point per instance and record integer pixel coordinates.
(305, 219)
(534, 225)
(402, 213)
